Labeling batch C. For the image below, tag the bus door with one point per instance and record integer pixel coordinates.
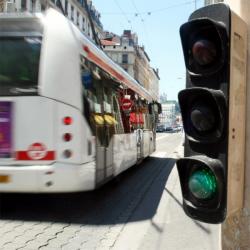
(104, 153)
(104, 138)
(108, 150)
(108, 130)
(139, 143)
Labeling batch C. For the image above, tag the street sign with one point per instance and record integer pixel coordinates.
(126, 104)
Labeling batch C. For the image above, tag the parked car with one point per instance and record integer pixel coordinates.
(177, 129)
(169, 129)
(160, 128)
(180, 128)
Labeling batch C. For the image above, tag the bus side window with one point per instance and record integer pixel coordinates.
(119, 129)
(86, 109)
(86, 97)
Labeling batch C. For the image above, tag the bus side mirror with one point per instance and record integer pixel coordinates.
(159, 107)
(154, 107)
(150, 108)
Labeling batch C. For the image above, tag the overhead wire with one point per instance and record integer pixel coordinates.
(142, 20)
(138, 12)
(173, 6)
(123, 13)
(150, 12)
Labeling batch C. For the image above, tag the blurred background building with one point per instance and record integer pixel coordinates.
(170, 116)
(133, 58)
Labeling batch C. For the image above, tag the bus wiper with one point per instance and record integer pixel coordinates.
(23, 90)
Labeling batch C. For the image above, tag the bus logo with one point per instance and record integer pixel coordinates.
(37, 151)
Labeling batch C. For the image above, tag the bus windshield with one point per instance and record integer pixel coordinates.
(19, 65)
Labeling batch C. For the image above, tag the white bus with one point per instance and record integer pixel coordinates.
(70, 118)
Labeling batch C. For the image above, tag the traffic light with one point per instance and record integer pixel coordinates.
(213, 112)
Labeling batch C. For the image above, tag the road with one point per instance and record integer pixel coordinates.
(142, 210)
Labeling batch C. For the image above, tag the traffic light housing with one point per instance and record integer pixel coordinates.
(214, 43)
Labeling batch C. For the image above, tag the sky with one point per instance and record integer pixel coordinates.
(157, 26)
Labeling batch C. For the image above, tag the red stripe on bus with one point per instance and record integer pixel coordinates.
(111, 71)
(23, 156)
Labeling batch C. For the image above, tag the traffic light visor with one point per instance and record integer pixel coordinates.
(203, 113)
(203, 42)
(202, 180)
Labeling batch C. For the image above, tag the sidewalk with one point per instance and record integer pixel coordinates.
(169, 228)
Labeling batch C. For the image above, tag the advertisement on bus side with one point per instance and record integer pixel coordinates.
(5, 129)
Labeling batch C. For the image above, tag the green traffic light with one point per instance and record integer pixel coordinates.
(202, 183)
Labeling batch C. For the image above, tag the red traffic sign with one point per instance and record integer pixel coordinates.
(126, 104)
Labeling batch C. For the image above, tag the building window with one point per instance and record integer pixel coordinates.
(66, 7)
(88, 29)
(23, 5)
(81, 2)
(83, 24)
(77, 18)
(57, 3)
(72, 12)
(31, 6)
(43, 7)
(124, 58)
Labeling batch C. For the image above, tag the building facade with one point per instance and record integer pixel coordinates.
(126, 52)
(121, 50)
(170, 116)
(75, 10)
(154, 78)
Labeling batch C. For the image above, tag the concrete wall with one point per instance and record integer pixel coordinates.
(236, 229)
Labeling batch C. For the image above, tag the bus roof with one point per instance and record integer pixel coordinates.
(98, 57)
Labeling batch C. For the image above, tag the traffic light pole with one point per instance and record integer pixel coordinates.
(235, 230)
